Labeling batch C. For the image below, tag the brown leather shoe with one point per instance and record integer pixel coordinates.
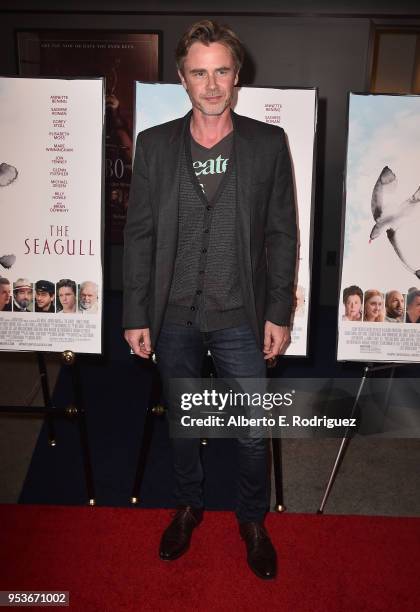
(177, 536)
(262, 558)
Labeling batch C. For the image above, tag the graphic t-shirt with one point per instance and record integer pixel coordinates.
(210, 165)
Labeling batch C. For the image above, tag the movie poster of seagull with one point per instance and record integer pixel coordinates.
(380, 272)
(51, 212)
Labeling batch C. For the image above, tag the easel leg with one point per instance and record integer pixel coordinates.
(343, 446)
(69, 359)
(143, 454)
(47, 397)
(154, 409)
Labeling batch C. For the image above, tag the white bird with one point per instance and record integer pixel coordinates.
(400, 221)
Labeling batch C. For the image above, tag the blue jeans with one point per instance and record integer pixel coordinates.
(180, 352)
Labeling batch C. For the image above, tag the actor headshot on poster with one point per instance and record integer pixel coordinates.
(373, 310)
(394, 307)
(199, 275)
(66, 296)
(22, 295)
(5, 295)
(88, 297)
(413, 306)
(352, 300)
(44, 296)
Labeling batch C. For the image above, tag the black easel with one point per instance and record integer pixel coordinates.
(74, 411)
(345, 441)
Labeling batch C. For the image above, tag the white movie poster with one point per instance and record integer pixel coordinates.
(295, 111)
(379, 302)
(51, 133)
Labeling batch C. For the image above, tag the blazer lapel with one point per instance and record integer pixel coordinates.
(169, 188)
(167, 230)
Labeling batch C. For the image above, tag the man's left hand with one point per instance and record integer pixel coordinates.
(276, 339)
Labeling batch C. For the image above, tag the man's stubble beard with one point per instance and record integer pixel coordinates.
(211, 111)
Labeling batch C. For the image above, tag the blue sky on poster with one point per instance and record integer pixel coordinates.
(383, 131)
(157, 103)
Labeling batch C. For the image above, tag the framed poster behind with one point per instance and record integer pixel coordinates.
(51, 205)
(121, 57)
(379, 301)
(295, 110)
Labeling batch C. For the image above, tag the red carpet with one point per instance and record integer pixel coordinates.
(107, 559)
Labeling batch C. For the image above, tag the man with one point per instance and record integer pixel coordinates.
(394, 307)
(88, 299)
(44, 296)
(413, 306)
(209, 264)
(22, 295)
(5, 295)
(66, 291)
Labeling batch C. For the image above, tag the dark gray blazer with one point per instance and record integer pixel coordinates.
(266, 224)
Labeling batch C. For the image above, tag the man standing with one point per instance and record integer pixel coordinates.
(209, 262)
(44, 296)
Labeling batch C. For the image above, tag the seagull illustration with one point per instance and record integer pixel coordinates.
(400, 221)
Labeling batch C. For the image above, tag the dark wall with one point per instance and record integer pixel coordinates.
(328, 47)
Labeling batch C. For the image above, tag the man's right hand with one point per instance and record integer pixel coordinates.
(139, 341)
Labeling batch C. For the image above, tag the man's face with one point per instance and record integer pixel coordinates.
(43, 300)
(414, 310)
(353, 306)
(4, 295)
(67, 298)
(395, 305)
(209, 77)
(23, 296)
(88, 296)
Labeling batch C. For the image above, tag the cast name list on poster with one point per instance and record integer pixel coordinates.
(58, 241)
(59, 107)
